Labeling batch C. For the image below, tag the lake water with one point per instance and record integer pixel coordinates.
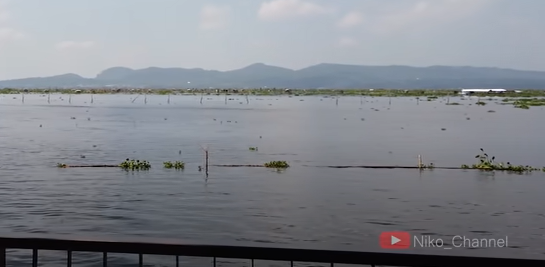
(305, 206)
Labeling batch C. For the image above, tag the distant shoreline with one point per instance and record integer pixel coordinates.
(274, 91)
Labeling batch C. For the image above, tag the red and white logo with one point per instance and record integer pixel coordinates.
(395, 240)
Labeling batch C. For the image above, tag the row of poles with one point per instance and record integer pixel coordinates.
(226, 98)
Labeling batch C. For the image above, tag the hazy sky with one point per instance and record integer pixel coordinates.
(50, 37)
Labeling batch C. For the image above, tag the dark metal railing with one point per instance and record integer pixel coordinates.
(164, 247)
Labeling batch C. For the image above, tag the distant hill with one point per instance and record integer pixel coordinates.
(334, 76)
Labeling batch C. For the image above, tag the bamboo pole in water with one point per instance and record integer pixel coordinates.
(135, 98)
(206, 162)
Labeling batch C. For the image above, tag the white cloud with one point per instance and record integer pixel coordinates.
(426, 13)
(350, 20)
(347, 42)
(214, 17)
(67, 45)
(283, 9)
(7, 33)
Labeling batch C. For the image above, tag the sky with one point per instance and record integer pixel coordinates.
(51, 37)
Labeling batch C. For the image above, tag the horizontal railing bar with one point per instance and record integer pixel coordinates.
(261, 253)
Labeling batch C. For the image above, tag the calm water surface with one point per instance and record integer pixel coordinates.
(305, 206)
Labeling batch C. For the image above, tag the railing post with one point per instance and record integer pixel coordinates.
(69, 258)
(104, 259)
(140, 260)
(177, 261)
(2, 257)
(34, 258)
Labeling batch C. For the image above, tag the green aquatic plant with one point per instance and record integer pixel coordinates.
(487, 163)
(277, 164)
(131, 164)
(480, 103)
(178, 165)
(522, 106)
(61, 165)
(453, 104)
(253, 148)
(525, 103)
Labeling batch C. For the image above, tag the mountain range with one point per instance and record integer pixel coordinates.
(325, 75)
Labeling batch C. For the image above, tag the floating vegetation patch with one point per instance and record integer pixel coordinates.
(487, 163)
(253, 148)
(522, 106)
(178, 165)
(480, 103)
(277, 164)
(453, 104)
(526, 103)
(135, 165)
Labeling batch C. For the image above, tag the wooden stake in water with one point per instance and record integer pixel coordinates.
(92, 100)
(225, 98)
(247, 100)
(49, 99)
(448, 99)
(70, 99)
(202, 96)
(337, 101)
(145, 99)
(168, 100)
(417, 101)
(390, 101)
(361, 100)
(23, 98)
(206, 162)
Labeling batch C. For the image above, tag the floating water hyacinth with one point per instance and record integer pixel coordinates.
(131, 164)
(178, 165)
(277, 164)
(487, 163)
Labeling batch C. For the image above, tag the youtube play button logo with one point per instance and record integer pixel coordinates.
(395, 240)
